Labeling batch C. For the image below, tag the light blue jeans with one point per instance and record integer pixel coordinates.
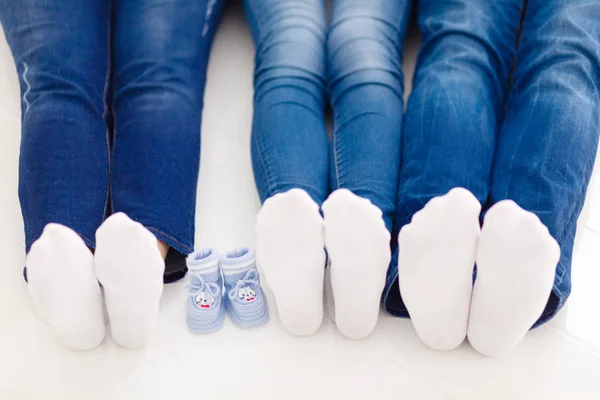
(506, 104)
(357, 60)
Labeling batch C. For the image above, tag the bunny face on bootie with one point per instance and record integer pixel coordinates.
(247, 294)
(204, 300)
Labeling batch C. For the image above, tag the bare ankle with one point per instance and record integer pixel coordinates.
(163, 248)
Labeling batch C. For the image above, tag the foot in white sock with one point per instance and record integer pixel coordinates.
(290, 251)
(64, 288)
(436, 258)
(516, 263)
(358, 245)
(130, 268)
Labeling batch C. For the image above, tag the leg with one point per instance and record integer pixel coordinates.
(289, 138)
(449, 139)
(61, 54)
(457, 101)
(160, 55)
(289, 154)
(160, 58)
(366, 83)
(548, 142)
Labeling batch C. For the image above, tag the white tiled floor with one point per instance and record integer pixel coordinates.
(558, 361)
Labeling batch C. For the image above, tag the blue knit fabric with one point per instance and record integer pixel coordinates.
(245, 301)
(205, 306)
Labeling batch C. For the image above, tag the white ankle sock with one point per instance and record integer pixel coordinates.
(516, 263)
(358, 245)
(130, 268)
(64, 289)
(290, 251)
(436, 258)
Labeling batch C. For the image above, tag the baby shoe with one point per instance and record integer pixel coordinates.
(245, 301)
(205, 306)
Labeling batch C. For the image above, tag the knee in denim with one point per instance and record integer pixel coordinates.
(291, 52)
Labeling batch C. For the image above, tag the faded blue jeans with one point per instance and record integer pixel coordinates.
(508, 110)
(356, 63)
(112, 95)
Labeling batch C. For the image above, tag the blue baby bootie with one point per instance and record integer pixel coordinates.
(205, 306)
(245, 301)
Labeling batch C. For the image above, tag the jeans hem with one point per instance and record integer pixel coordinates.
(556, 302)
(171, 241)
(88, 242)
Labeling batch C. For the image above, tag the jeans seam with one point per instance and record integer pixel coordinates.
(516, 48)
(582, 188)
(336, 157)
(259, 147)
(263, 165)
(105, 114)
(110, 163)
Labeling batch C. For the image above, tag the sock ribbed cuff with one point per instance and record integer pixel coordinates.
(235, 263)
(205, 261)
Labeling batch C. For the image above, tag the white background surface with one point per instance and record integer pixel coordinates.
(561, 360)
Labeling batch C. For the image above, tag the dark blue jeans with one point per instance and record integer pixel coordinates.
(357, 63)
(112, 95)
(506, 104)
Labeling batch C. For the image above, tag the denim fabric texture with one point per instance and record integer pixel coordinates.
(112, 96)
(504, 103)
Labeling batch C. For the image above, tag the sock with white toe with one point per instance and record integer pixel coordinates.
(436, 258)
(358, 245)
(64, 289)
(290, 252)
(130, 268)
(516, 265)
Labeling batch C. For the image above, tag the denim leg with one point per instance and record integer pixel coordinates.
(547, 144)
(289, 137)
(364, 62)
(61, 53)
(456, 106)
(160, 50)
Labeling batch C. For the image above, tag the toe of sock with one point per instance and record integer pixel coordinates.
(489, 347)
(353, 328)
(83, 339)
(441, 340)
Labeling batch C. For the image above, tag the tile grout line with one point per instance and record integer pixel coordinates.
(410, 371)
(9, 110)
(594, 231)
(9, 237)
(583, 343)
